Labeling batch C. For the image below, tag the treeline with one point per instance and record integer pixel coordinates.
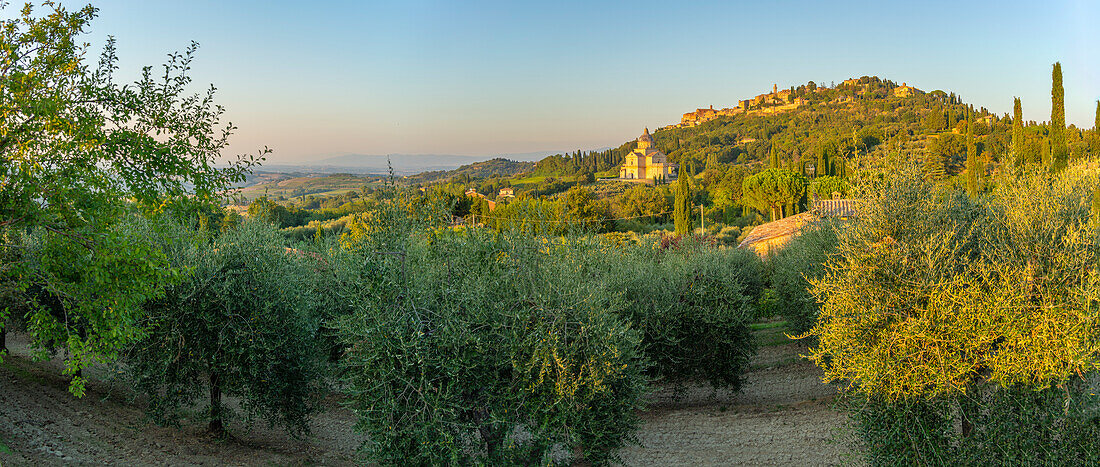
(583, 162)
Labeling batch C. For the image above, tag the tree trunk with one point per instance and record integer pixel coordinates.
(490, 435)
(216, 427)
(3, 339)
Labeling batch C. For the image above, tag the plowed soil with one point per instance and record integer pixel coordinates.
(782, 416)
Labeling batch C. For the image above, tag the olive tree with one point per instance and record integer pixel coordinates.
(242, 322)
(972, 313)
(470, 346)
(693, 305)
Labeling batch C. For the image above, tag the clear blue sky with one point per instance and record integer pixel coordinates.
(316, 79)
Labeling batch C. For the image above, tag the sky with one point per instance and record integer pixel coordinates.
(326, 78)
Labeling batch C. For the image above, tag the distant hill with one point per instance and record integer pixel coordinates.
(403, 164)
(286, 186)
(498, 167)
(859, 123)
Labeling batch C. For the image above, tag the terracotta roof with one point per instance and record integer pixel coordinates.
(785, 226)
(836, 207)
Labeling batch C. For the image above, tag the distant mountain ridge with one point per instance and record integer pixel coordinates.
(498, 167)
(403, 164)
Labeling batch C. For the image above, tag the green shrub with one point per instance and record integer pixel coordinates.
(242, 324)
(989, 426)
(468, 346)
(794, 267)
(901, 433)
(692, 305)
(82, 292)
(970, 321)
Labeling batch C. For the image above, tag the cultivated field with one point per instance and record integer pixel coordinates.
(782, 417)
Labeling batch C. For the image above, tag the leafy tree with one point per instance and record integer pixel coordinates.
(643, 200)
(794, 267)
(474, 347)
(681, 213)
(978, 294)
(1059, 152)
(824, 187)
(582, 209)
(935, 165)
(692, 305)
(242, 323)
(73, 145)
(774, 191)
(963, 327)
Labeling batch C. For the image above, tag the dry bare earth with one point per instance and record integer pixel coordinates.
(42, 424)
(781, 417)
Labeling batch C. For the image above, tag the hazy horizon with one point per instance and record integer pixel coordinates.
(491, 78)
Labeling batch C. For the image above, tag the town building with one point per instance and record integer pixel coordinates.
(906, 91)
(647, 162)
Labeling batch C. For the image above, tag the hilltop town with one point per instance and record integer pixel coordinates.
(781, 101)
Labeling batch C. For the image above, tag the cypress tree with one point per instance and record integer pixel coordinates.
(1058, 149)
(971, 159)
(1095, 208)
(681, 211)
(1094, 147)
(1017, 131)
(1046, 158)
(822, 167)
(934, 166)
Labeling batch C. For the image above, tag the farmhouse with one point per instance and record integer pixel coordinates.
(768, 238)
(647, 162)
(473, 193)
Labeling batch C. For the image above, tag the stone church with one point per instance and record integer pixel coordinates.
(647, 162)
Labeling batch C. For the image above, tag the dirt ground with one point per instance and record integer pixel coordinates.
(782, 416)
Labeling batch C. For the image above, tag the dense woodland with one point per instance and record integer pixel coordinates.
(959, 306)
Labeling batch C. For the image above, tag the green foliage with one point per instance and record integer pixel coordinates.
(1059, 152)
(997, 292)
(681, 210)
(86, 298)
(243, 323)
(693, 305)
(1017, 132)
(974, 167)
(777, 192)
(467, 346)
(264, 210)
(993, 426)
(824, 187)
(966, 328)
(795, 266)
(73, 144)
(580, 208)
(643, 200)
(583, 162)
